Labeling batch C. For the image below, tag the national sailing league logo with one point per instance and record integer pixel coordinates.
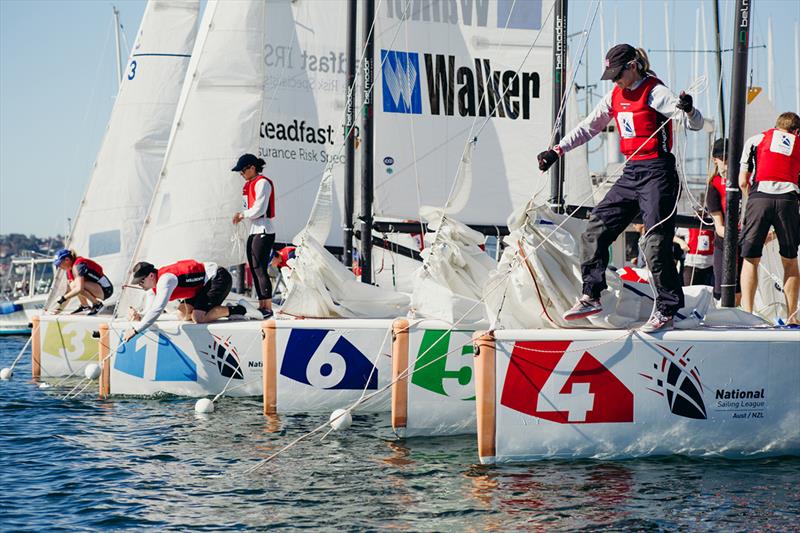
(679, 382)
(223, 354)
(401, 87)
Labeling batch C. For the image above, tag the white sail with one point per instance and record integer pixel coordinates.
(434, 93)
(121, 185)
(217, 120)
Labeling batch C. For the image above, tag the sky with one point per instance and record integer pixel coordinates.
(58, 83)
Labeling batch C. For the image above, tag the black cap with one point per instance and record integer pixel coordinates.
(245, 161)
(616, 59)
(141, 270)
(720, 149)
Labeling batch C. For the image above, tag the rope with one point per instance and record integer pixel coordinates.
(22, 351)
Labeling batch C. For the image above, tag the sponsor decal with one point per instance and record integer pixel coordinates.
(388, 161)
(677, 379)
(224, 356)
(315, 358)
(626, 128)
(782, 143)
(449, 375)
(547, 380)
(741, 403)
(171, 363)
(455, 89)
(512, 14)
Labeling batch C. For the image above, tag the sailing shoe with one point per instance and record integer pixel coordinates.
(96, 308)
(80, 309)
(585, 306)
(236, 310)
(266, 313)
(251, 311)
(657, 322)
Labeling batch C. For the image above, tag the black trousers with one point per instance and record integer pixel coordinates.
(259, 247)
(649, 187)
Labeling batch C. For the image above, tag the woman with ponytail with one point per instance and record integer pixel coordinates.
(258, 198)
(642, 107)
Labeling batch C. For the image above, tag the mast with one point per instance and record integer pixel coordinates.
(797, 65)
(119, 48)
(721, 100)
(559, 115)
(770, 62)
(349, 170)
(741, 42)
(366, 137)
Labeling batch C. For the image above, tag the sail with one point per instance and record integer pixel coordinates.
(217, 120)
(447, 72)
(115, 203)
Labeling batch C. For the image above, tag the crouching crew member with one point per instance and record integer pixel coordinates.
(201, 288)
(642, 107)
(775, 157)
(281, 258)
(258, 199)
(86, 281)
(698, 264)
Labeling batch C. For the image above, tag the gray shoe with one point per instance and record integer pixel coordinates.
(584, 307)
(657, 322)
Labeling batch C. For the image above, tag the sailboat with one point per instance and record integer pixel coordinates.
(24, 292)
(121, 185)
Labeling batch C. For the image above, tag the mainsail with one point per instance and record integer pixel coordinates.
(121, 185)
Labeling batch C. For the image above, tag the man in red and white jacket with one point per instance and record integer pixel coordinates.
(774, 158)
(201, 288)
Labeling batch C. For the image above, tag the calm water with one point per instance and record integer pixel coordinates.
(131, 464)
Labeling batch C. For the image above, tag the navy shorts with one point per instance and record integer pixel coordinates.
(780, 211)
(213, 292)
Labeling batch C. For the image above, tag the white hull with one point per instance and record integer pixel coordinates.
(605, 394)
(16, 316)
(438, 395)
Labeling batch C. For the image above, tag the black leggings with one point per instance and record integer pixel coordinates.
(259, 247)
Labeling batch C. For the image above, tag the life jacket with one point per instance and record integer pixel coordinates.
(191, 278)
(778, 157)
(636, 122)
(285, 253)
(719, 184)
(94, 272)
(701, 241)
(249, 195)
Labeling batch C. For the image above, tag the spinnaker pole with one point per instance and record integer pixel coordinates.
(349, 134)
(559, 115)
(366, 139)
(741, 43)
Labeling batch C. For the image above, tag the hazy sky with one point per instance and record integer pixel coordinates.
(57, 84)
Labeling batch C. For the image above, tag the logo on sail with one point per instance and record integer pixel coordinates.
(678, 382)
(512, 14)
(401, 87)
(223, 354)
(171, 363)
(548, 380)
(314, 358)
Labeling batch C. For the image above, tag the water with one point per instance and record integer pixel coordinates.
(153, 463)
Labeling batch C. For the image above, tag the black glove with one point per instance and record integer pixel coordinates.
(61, 301)
(685, 103)
(546, 159)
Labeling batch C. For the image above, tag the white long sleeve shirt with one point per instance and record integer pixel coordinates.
(156, 303)
(661, 99)
(257, 215)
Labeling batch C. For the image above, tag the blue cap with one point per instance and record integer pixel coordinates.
(60, 256)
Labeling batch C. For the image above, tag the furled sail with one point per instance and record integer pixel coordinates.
(124, 175)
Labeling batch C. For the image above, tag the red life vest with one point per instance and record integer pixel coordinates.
(285, 253)
(701, 241)
(249, 195)
(191, 278)
(778, 157)
(636, 121)
(93, 271)
(719, 184)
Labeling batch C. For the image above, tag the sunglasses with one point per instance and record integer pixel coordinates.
(245, 168)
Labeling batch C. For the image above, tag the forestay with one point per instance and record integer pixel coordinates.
(121, 185)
